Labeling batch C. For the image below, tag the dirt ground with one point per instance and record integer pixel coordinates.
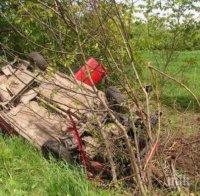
(182, 148)
(185, 151)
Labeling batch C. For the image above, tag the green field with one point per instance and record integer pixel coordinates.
(23, 170)
(185, 67)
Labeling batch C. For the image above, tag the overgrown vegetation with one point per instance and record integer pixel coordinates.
(160, 48)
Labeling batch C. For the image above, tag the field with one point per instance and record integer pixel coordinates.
(185, 67)
(23, 170)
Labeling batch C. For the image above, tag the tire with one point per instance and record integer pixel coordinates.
(38, 60)
(116, 99)
(57, 149)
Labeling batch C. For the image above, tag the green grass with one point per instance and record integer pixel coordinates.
(185, 67)
(23, 171)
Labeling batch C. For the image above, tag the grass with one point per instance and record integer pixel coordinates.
(23, 171)
(185, 67)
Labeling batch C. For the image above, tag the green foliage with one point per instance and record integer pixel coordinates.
(167, 25)
(83, 29)
(23, 171)
(67, 34)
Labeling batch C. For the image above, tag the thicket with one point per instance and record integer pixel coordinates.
(52, 27)
(68, 32)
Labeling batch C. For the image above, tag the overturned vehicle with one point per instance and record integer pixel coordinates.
(70, 118)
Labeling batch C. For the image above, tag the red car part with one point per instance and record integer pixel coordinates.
(92, 73)
(73, 128)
